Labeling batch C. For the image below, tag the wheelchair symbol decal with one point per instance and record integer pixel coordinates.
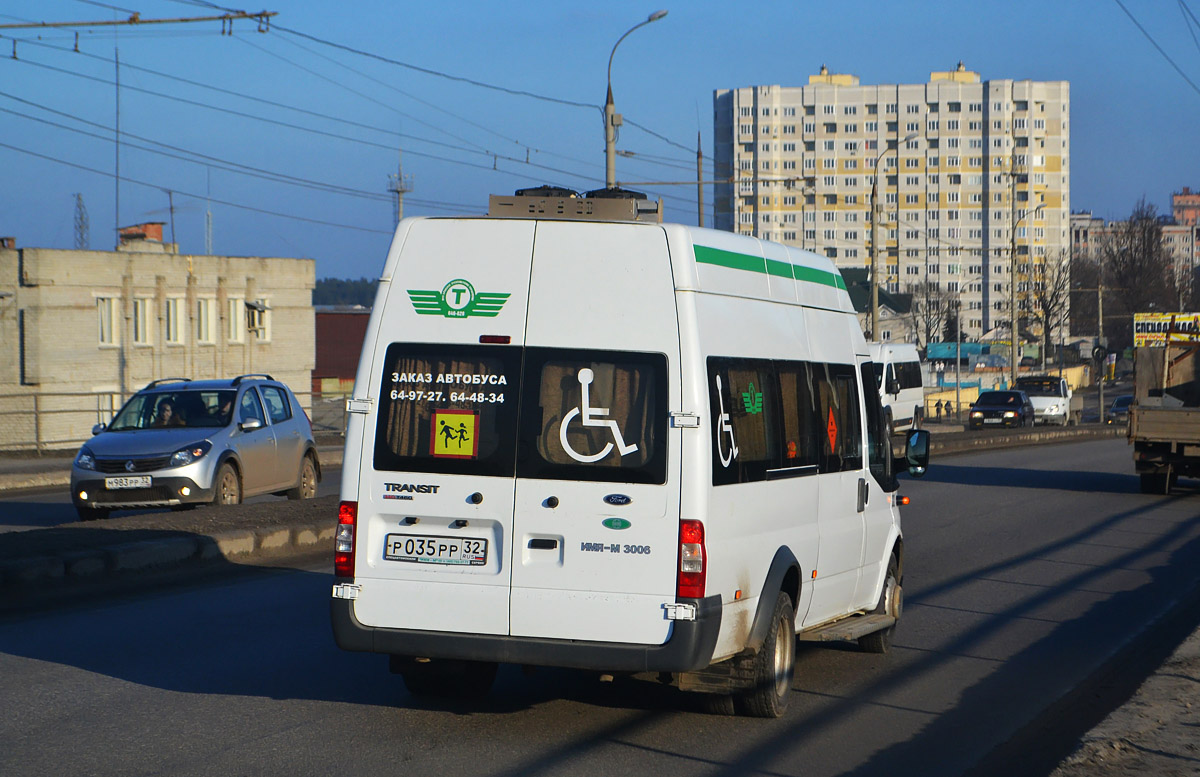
(724, 427)
(592, 416)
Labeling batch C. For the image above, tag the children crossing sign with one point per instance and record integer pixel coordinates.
(454, 434)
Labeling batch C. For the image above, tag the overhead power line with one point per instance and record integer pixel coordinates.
(262, 17)
(1154, 43)
(159, 187)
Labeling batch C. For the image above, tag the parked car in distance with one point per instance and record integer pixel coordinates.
(1001, 408)
(1118, 411)
(180, 442)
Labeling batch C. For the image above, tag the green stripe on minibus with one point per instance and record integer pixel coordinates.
(736, 261)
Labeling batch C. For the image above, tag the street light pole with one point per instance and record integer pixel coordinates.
(612, 119)
(1012, 288)
(875, 237)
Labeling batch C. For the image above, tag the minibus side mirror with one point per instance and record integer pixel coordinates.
(893, 386)
(916, 452)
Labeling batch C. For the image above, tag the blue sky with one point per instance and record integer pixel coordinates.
(337, 120)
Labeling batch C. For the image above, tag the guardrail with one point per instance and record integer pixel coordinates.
(50, 421)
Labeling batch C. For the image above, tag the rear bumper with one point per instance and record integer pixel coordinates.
(689, 648)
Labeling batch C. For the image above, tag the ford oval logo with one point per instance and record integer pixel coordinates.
(616, 523)
(617, 499)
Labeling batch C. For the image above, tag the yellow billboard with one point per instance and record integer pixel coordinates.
(1157, 329)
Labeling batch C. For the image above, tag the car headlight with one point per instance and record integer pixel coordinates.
(1052, 409)
(1010, 414)
(85, 460)
(977, 414)
(190, 454)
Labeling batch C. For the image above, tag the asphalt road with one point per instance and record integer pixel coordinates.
(1026, 569)
(44, 507)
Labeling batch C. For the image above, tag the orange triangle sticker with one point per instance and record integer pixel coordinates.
(831, 428)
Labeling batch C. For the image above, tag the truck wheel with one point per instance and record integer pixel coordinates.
(891, 602)
(1155, 483)
(774, 665)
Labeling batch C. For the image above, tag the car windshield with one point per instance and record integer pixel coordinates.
(1122, 403)
(999, 398)
(164, 409)
(1048, 387)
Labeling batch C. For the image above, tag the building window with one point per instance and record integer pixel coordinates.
(258, 318)
(205, 316)
(106, 315)
(235, 320)
(142, 320)
(174, 320)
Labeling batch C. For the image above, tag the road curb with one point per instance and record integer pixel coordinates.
(178, 550)
(963, 442)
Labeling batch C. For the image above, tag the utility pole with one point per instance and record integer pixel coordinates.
(399, 184)
(1103, 366)
(226, 19)
(81, 224)
(699, 182)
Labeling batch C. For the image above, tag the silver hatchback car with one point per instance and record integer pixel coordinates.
(182, 442)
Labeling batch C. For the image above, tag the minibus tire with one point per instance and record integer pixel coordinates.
(881, 641)
(774, 665)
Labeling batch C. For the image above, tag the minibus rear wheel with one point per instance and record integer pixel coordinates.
(774, 665)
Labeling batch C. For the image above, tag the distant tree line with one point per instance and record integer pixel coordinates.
(343, 291)
(1135, 268)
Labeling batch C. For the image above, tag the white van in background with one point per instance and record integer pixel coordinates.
(901, 389)
(613, 445)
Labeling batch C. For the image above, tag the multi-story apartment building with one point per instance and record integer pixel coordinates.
(1185, 206)
(1180, 239)
(82, 330)
(974, 179)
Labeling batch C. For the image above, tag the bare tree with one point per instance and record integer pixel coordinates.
(1050, 295)
(1136, 265)
(928, 313)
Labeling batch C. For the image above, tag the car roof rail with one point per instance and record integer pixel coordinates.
(161, 381)
(240, 378)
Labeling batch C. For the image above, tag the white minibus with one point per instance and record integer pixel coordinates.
(616, 445)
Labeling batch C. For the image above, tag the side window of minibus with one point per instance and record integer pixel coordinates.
(743, 398)
(837, 391)
(879, 458)
(798, 415)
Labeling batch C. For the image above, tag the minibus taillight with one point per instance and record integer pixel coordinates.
(343, 541)
(691, 560)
